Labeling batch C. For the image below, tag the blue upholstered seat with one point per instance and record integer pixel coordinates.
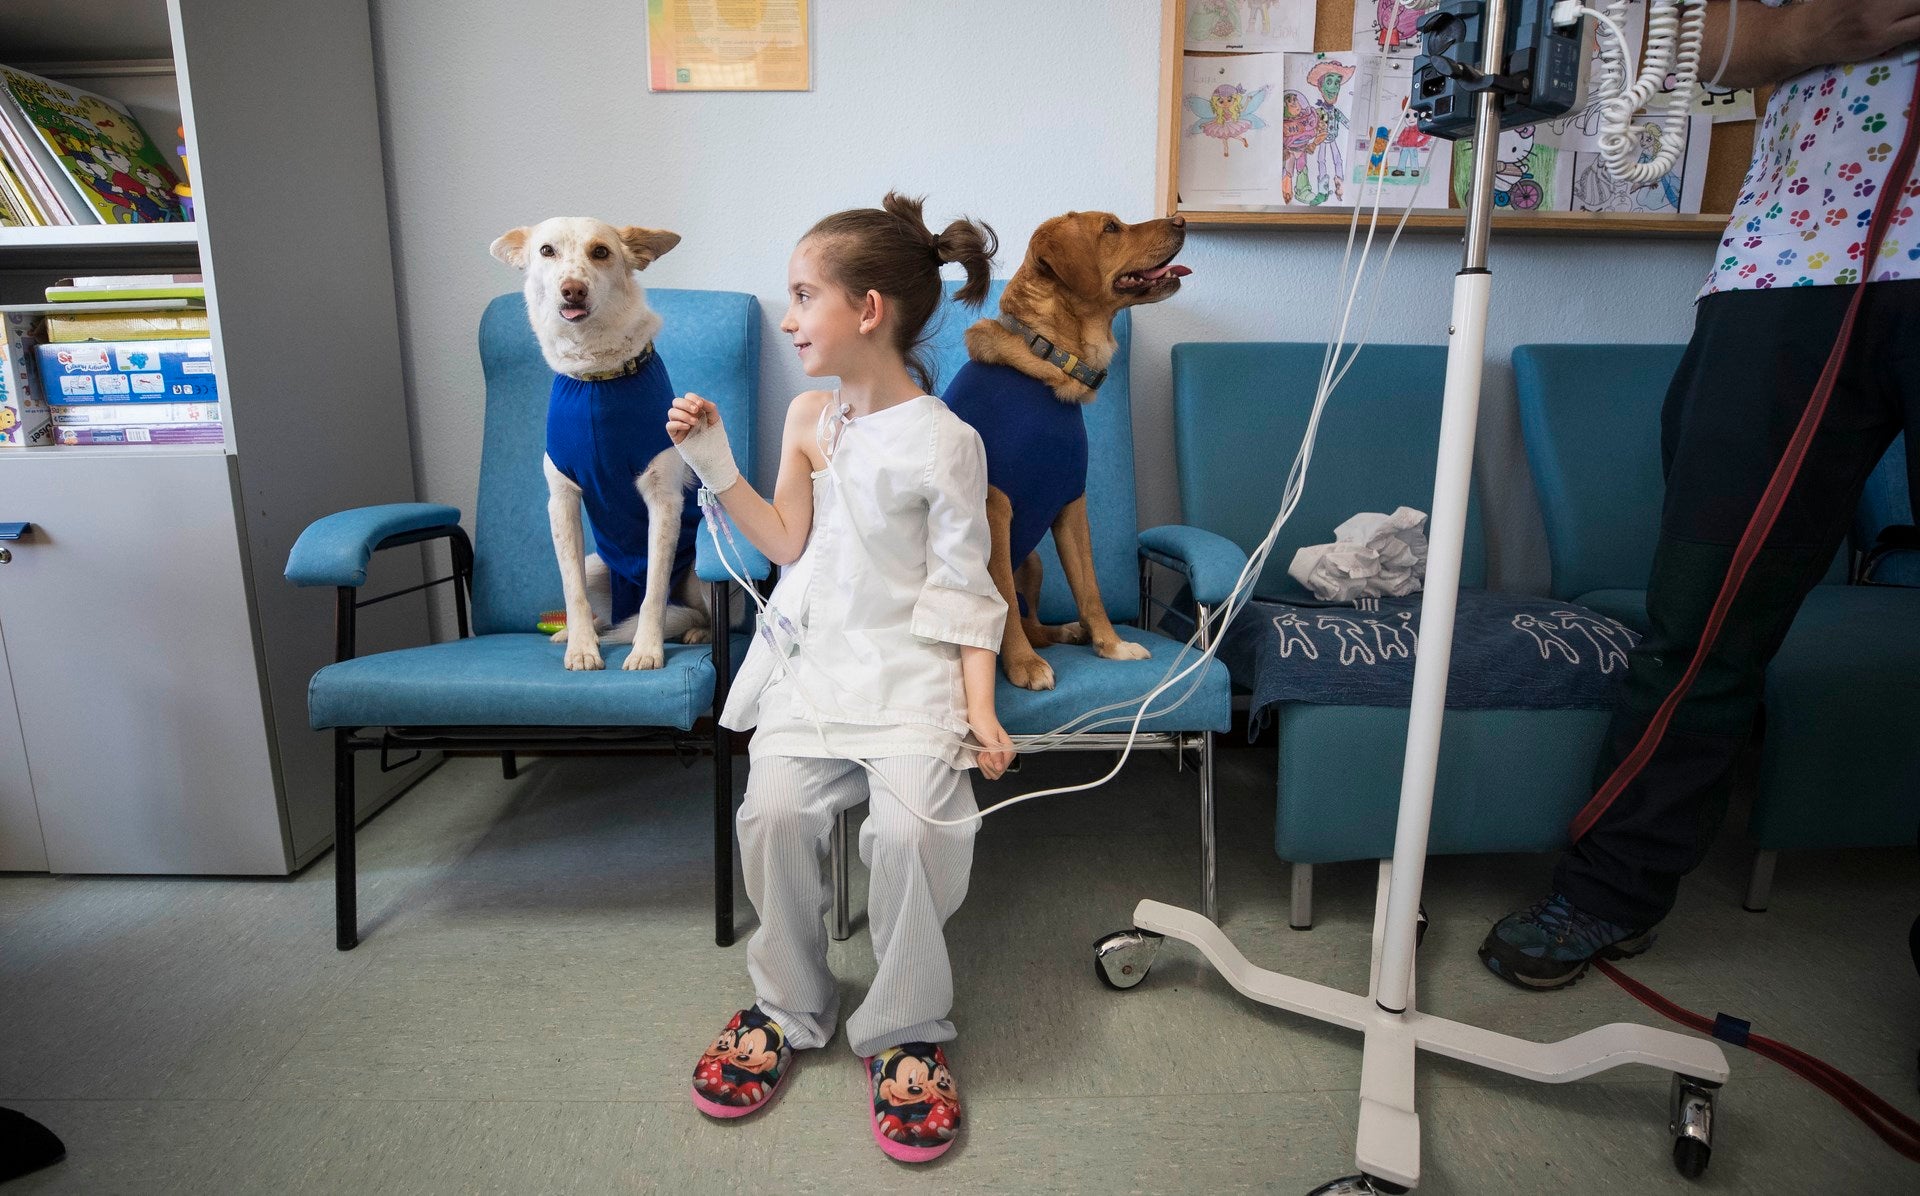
(505, 679)
(1508, 779)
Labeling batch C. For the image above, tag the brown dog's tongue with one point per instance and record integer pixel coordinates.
(1162, 271)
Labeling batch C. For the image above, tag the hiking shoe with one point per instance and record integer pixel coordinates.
(742, 1070)
(1550, 943)
(916, 1104)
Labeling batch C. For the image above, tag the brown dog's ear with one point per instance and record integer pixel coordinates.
(646, 245)
(1041, 250)
(511, 247)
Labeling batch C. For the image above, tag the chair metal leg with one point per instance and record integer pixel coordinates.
(718, 598)
(722, 836)
(842, 915)
(1209, 898)
(1300, 917)
(1760, 882)
(509, 765)
(345, 914)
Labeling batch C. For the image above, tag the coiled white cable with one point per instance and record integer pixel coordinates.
(1675, 29)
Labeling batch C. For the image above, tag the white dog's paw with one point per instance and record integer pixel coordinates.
(698, 635)
(1071, 633)
(559, 637)
(1123, 650)
(646, 656)
(584, 657)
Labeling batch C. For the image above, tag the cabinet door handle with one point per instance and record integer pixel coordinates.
(11, 531)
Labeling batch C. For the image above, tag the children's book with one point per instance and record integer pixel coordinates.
(51, 189)
(13, 211)
(126, 326)
(19, 196)
(130, 280)
(119, 172)
(70, 291)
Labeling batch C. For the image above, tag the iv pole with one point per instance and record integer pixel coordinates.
(1387, 1149)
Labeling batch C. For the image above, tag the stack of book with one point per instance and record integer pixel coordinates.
(140, 374)
(68, 156)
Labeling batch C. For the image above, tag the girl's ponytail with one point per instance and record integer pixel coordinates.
(891, 250)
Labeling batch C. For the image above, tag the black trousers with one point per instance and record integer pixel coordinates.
(1743, 384)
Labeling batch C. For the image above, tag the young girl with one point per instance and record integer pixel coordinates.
(879, 646)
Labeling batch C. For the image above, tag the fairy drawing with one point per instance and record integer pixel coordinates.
(1228, 114)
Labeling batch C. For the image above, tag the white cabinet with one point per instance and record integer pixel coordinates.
(153, 705)
(131, 653)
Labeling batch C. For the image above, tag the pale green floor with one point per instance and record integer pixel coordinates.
(538, 974)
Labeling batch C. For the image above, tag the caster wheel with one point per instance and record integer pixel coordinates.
(1690, 1157)
(1358, 1185)
(1691, 1124)
(1122, 959)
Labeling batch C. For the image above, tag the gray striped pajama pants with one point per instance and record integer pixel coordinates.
(918, 879)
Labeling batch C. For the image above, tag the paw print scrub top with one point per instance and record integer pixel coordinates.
(1822, 157)
(893, 581)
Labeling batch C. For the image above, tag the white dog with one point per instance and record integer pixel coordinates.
(608, 407)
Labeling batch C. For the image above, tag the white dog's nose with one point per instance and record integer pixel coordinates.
(573, 291)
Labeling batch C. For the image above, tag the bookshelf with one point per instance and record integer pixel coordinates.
(153, 661)
(1727, 160)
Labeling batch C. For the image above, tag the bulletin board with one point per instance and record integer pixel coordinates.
(1728, 155)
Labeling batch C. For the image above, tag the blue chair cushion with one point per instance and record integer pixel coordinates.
(1510, 652)
(511, 681)
(1082, 682)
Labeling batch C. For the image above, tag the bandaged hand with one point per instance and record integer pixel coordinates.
(693, 424)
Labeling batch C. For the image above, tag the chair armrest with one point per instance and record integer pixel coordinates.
(709, 565)
(334, 550)
(1211, 562)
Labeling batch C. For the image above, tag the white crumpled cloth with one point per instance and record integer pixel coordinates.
(1373, 555)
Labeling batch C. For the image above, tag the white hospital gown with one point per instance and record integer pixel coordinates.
(892, 582)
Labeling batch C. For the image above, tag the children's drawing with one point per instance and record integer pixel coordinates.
(1228, 114)
(1213, 21)
(1595, 189)
(1317, 127)
(1528, 176)
(1250, 25)
(1379, 28)
(1228, 102)
(1390, 150)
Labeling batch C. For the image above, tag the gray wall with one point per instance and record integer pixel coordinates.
(497, 114)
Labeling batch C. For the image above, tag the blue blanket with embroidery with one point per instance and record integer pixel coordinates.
(1510, 652)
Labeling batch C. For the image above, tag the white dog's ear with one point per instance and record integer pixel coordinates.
(511, 247)
(646, 245)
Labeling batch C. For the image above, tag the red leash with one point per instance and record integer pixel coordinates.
(1894, 1127)
(1775, 496)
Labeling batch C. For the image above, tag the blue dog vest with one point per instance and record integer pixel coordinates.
(602, 435)
(1036, 445)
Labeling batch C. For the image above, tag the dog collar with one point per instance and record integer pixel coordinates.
(630, 366)
(1046, 351)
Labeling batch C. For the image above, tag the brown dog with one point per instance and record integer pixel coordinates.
(1056, 330)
